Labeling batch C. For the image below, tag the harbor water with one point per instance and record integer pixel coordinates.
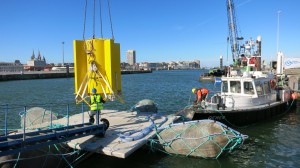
(272, 143)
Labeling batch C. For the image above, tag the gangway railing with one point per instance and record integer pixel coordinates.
(12, 144)
(26, 140)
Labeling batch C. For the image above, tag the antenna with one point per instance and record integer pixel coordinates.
(278, 13)
(63, 53)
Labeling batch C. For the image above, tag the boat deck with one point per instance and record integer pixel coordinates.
(120, 122)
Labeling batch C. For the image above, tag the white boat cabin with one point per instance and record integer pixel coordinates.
(250, 89)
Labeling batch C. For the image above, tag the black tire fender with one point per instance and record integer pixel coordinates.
(106, 123)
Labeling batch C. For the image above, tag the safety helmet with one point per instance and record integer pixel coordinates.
(94, 90)
(193, 90)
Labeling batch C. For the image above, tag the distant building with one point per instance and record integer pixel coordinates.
(36, 64)
(195, 64)
(11, 66)
(131, 57)
(170, 66)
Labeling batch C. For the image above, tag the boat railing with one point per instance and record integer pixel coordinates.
(40, 129)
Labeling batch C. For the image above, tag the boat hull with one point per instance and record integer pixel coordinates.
(240, 117)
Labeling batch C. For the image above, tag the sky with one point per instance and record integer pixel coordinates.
(159, 30)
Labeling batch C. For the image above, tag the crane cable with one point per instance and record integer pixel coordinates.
(84, 20)
(94, 13)
(93, 68)
(100, 6)
(111, 27)
(101, 20)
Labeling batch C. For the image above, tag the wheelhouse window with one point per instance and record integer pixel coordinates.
(248, 88)
(235, 86)
(267, 87)
(225, 86)
(259, 88)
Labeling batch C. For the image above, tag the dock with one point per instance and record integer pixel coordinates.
(79, 134)
(120, 122)
(141, 126)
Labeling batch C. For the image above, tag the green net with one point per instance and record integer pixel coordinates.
(199, 138)
(36, 116)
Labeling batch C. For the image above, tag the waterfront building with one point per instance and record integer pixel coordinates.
(171, 65)
(35, 63)
(182, 65)
(11, 66)
(62, 67)
(195, 64)
(144, 66)
(124, 65)
(131, 57)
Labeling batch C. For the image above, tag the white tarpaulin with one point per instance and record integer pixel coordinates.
(291, 63)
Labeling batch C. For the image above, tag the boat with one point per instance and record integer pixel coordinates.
(211, 75)
(62, 68)
(244, 100)
(246, 95)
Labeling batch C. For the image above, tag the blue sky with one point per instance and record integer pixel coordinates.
(159, 30)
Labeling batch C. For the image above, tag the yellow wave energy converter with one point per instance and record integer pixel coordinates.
(97, 65)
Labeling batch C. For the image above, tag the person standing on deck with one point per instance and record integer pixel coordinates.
(201, 94)
(96, 105)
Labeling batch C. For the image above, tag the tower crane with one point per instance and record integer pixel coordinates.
(233, 34)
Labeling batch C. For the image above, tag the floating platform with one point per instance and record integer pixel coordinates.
(127, 132)
(120, 123)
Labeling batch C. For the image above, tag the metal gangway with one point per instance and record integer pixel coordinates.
(26, 139)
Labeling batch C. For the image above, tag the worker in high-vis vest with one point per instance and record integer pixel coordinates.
(96, 105)
(201, 94)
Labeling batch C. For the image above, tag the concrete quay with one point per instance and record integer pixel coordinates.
(26, 75)
(135, 71)
(7, 76)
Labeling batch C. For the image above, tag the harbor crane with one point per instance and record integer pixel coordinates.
(242, 54)
(233, 33)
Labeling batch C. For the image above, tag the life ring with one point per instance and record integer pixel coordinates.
(272, 83)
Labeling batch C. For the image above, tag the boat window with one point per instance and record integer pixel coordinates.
(225, 86)
(259, 88)
(235, 86)
(267, 87)
(248, 88)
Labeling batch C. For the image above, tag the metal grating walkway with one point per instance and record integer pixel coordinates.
(21, 142)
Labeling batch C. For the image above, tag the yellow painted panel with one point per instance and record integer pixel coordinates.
(105, 55)
(116, 62)
(80, 63)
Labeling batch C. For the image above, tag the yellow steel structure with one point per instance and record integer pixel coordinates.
(97, 65)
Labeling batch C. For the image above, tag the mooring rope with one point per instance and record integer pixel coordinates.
(141, 133)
